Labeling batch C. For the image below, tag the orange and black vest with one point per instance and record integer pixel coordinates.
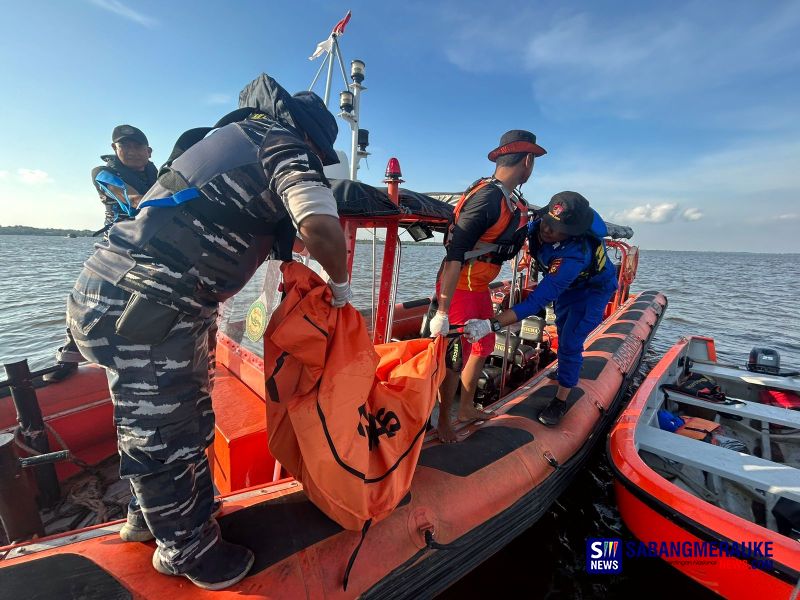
(501, 242)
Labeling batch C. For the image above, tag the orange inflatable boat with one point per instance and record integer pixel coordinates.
(466, 501)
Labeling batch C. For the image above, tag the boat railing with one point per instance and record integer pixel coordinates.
(627, 259)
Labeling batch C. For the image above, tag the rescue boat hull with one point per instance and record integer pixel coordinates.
(467, 501)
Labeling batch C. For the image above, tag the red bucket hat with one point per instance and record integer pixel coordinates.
(515, 141)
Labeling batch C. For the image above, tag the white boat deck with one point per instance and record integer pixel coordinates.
(774, 478)
(767, 479)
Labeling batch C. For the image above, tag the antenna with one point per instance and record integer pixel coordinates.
(350, 97)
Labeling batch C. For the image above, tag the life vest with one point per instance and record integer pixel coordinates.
(116, 184)
(501, 242)
(344, 417)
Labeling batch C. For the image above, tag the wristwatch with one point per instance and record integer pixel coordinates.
(495, 325)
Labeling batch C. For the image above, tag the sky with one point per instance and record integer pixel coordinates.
(680, 119)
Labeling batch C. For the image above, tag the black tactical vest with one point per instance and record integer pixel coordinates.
(193, 255)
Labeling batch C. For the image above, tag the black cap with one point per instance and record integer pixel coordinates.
(130, 132)
(312, 116)
(515, 141)
(569, 213)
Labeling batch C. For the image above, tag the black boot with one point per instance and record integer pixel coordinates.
(552, 413)
(68, 356)
(222, 566)
(64, 371)
(135, 528)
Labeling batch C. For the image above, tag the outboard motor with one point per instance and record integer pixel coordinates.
(522, 358)
(488, 389)
(764, 360)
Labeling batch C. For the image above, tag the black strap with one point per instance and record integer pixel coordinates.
(355, 553)
(431, 543)
(105, 228)
(725, 401)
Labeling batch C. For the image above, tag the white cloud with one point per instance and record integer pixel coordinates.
(33, 176)
(692, 214)
(714, 181)
(647, 213)
(3, 174)
(118, 8)
(218, 99)
(789, 217)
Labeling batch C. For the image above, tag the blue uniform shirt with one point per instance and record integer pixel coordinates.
(565, 261)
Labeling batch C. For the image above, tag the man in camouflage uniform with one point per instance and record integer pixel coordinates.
(143, 304)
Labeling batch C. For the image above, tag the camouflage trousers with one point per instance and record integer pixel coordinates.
(163, 415)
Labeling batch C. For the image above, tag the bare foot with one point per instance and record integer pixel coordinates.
(446, 433)
(470, 414)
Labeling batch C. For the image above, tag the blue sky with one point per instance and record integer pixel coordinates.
(680, 119)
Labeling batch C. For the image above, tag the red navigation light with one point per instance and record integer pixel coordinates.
(393, 169)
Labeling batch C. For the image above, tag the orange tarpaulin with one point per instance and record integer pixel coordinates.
(345, 417)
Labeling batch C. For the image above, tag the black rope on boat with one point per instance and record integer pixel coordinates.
(355, 553)
(431, 543)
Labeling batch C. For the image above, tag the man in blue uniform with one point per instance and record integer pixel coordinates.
(145, 300)
(567, 244)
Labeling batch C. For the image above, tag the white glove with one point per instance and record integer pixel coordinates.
(439, 324)
(476, 329)
(342, 294)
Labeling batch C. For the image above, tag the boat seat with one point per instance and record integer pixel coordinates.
(762, 379)
(774, 478)
(742, 408)
(239, 456)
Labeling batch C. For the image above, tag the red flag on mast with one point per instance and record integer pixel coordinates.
(338, 29)
(327, 45)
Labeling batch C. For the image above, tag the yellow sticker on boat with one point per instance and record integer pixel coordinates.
(256, 321)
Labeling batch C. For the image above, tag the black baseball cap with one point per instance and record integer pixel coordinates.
(569, 213)
(516, 141)
(130, 132)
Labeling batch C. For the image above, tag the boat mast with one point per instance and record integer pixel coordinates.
(350, 97)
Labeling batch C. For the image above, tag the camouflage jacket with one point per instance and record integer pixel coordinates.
(196, 254)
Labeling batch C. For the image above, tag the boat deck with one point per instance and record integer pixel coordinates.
(770, 468)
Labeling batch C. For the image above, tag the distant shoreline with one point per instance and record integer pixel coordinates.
(50, 232)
